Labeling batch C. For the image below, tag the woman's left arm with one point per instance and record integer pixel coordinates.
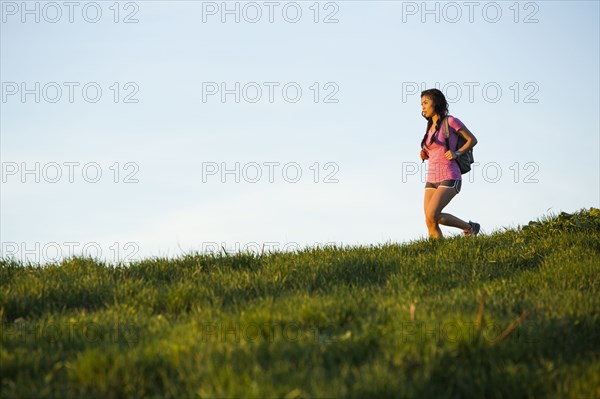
(470, 137)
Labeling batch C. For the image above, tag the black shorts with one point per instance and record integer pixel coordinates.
(455, 184)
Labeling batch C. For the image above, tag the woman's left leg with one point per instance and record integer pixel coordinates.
(440, 198)
(450, 220)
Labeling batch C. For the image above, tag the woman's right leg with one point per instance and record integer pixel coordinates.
(450, 220)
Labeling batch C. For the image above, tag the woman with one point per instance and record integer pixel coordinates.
(443, 174)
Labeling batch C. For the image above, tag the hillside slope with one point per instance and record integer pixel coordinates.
(511, 314)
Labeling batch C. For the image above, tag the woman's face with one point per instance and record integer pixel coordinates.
(427, 107)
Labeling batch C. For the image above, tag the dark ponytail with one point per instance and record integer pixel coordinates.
(440, 107)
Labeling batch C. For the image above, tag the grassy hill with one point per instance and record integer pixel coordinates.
(512, 314)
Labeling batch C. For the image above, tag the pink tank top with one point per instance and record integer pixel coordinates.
(440, 168)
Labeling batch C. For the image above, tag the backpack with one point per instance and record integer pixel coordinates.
(464, 160)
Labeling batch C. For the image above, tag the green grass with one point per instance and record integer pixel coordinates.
(328, 322)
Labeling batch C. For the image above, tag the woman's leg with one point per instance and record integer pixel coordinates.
(436, 232)
(428, 194)
(450, 220)
(439, 199)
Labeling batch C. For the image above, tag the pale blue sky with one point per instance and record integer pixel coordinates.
(371, 133)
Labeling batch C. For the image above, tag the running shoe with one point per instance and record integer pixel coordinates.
(474, 229)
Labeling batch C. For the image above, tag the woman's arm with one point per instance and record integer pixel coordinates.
(470, 137)
(471, 141)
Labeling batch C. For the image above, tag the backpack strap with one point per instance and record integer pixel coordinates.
(446, 130)
(446, 133)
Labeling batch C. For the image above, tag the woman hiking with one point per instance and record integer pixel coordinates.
(443, 174)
